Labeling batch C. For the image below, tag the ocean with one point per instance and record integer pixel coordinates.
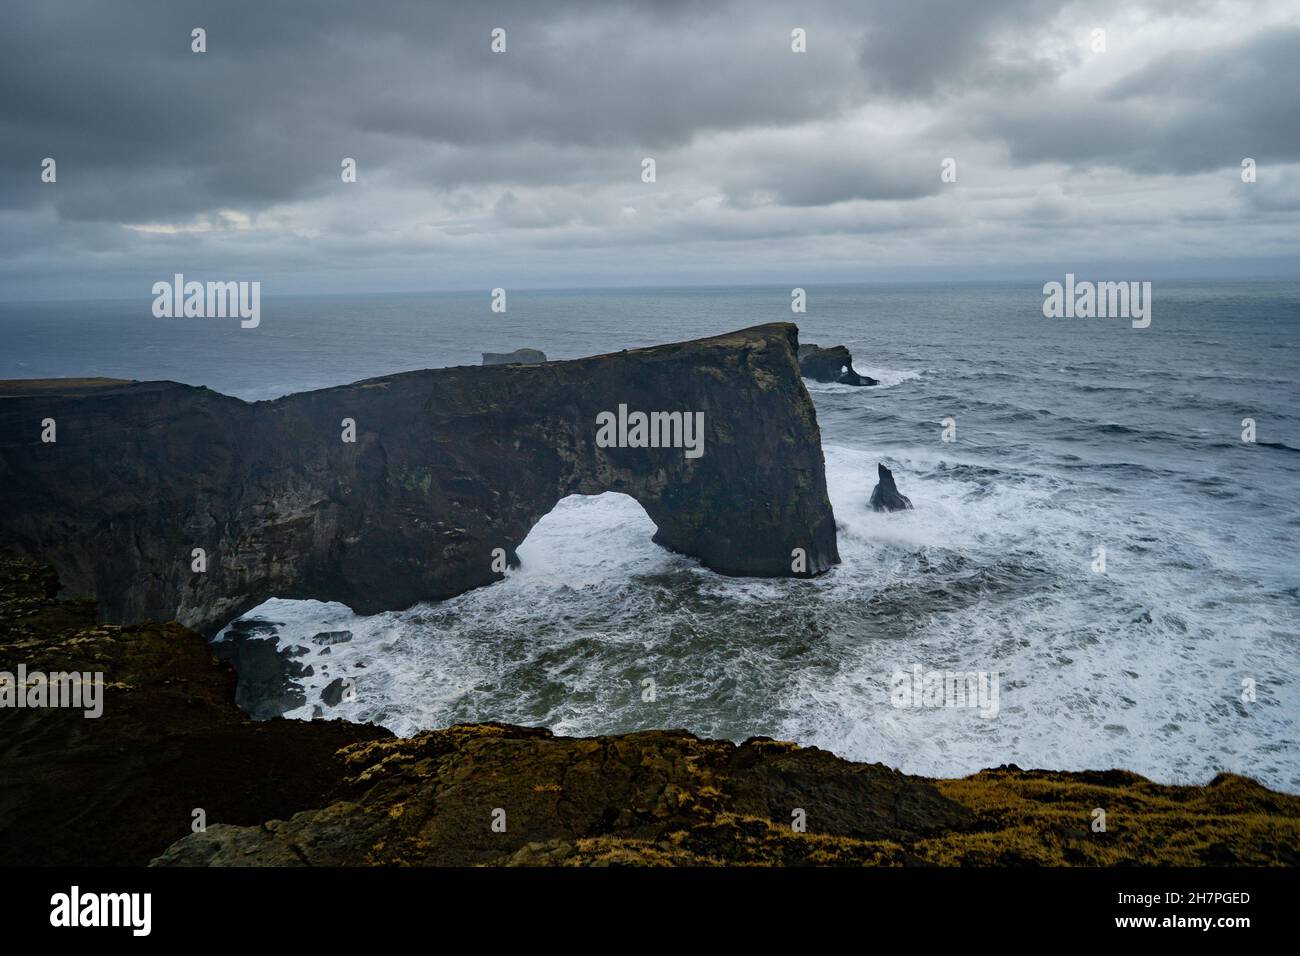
(1180, 660)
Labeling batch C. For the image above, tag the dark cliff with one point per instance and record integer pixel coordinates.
(122, 787)
(447, 466)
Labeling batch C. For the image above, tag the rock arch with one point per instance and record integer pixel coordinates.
(447, 465)
(583, 535)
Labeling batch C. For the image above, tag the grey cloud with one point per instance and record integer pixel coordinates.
(477, 160)
(510, 211)
(829, 176)
(1274, 191)
(922, 48)
(1189, 112)
(115, 95)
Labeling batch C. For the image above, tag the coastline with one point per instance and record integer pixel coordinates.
(286, 792)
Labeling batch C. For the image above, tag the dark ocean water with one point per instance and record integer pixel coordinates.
(1071, 435)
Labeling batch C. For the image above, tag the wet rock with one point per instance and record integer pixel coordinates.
(834, 364)
(885, 496)
(331, 637)
(253, 626)
(332, 695)
(268, 678)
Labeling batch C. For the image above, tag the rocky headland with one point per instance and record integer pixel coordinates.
(172, 502)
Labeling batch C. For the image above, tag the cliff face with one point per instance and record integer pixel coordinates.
(447, 466)
(120, 788)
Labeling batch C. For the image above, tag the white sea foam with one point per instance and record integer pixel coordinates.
(885, 378)
(1139, 668)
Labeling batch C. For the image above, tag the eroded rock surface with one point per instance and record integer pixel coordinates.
(834, 364)
(886, 496)
(118, 789)
(448, 465)
(269, 678)
(668, 795)
(670, 798)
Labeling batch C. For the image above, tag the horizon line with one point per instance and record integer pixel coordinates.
(857, 283)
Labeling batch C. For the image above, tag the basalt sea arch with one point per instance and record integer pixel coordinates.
(447, 466)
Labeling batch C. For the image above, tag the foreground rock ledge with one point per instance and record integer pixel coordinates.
(121, 789)
(670, 798)
(448, 465)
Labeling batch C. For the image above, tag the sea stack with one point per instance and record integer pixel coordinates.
(834, 364)
(885, 496)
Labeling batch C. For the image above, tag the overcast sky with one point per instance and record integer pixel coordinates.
(523, 169)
